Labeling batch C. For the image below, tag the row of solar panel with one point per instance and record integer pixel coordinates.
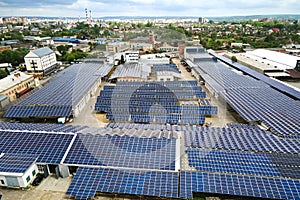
(129, 152)
(266, 105)
(276, 84)
(163, 83)
(163, 118)
(244, 163)
(38, 111)
(88, 181)
(160, 109)
(132, 152)
(250, 186)
(239, 139)
(41, 127)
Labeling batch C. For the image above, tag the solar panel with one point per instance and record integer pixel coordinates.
(157, 102)
(50, 148)
(129, 152)
(274, 83)
(251, 186)
(41, 127)
(245, 163)
(272, 104)
(159, 184)
(16, 163)
(38, 111)
(60, 95)
(243, 139)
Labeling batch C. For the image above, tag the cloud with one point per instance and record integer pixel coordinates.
(102, 8)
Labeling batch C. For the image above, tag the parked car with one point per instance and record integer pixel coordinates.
(38, 179)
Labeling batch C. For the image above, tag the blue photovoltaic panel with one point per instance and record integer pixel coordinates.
(130, 152)
(60, 95)
(16, 163)
(251, 186)
(88, 181)
(276, 84)
(50, 148)
(243, 139)
(226, 161)
(41, 127)
(272, 104)
(146, 102)
(38, 111)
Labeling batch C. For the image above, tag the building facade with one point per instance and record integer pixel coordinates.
(41, 60)
(17, 84)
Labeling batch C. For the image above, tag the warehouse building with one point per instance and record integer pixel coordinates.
(65, 96)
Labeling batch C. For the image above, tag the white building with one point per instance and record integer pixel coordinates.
(167, 76)
(278, 60)
(152, 59)
(41, 60)
(17, 170)
(132, 56)
(117, 47)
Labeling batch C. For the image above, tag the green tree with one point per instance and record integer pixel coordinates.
(234, 59)
(62, 49)
(3, 74)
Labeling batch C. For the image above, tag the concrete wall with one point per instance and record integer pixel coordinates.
(21, 178)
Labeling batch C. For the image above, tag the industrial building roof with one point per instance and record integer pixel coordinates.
(42, 52)
(61, 95)
(137, 70)
(280, 60)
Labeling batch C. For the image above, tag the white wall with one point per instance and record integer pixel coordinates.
(165, 78)
(21, 178)
(23, 182)
(41, 63)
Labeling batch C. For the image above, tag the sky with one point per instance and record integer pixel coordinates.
(102, 8)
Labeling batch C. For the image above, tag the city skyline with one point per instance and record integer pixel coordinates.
(102, 8)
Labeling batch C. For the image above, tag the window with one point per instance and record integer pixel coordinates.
(2, 182)
(33, 173)
(28, 179)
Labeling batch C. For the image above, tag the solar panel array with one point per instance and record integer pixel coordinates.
(241, 160)
(16, 163)
(41, 127)
(254, 100)
(50, 148)
(146, 102)
(131, 132)
(136, 70)
(245, 139)
(251, 186)
(88, 181)
(39, 111)
(245, 163)
(272, 82)
(128, 152)
(165, 67)
(60, 95)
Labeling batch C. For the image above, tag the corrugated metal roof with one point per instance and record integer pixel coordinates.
(42, 51)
